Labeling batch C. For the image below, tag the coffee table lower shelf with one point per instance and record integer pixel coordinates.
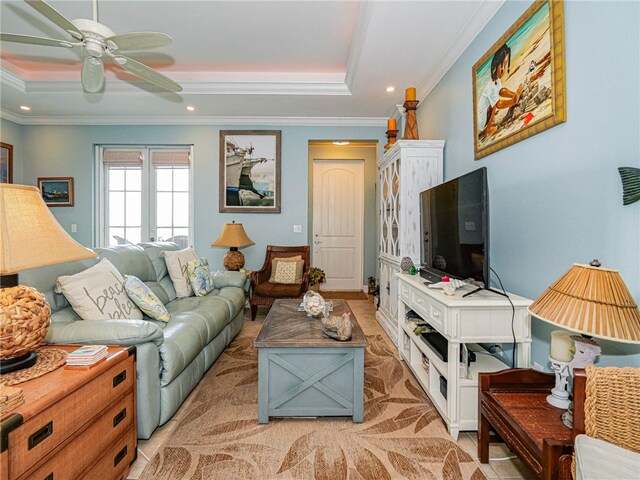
(310, 382)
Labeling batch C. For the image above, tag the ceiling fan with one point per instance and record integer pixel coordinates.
(97, 41)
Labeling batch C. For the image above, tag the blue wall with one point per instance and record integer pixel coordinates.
(556, 198)
(69, 151)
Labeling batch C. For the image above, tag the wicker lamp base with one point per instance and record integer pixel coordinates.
(233, 260)
(24, 321)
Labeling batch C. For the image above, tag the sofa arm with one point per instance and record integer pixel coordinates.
(105, 332)
(229, 279)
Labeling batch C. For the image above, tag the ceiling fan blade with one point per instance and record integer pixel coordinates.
(147, 73)
(139, 41)
(92, 74)
(56, 17)
(49, 42)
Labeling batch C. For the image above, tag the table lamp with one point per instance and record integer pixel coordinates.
(592, 301)
(234, 237)
(30, 237)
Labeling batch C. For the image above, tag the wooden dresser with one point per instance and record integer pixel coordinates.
(73, 423)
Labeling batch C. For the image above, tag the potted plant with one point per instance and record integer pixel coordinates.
(316, 277)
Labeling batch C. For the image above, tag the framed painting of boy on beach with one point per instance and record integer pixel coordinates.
(250, 171)
(519, 84)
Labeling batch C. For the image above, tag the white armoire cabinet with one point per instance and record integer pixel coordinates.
(405, 170)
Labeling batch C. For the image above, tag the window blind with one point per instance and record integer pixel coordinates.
(170, 158)
(121, 158)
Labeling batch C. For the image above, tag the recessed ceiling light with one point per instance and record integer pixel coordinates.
(391, 89)
(190, 108)
(25, 108)
(340, 143)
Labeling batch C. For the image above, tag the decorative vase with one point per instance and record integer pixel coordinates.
(406, 263)
(315, 287)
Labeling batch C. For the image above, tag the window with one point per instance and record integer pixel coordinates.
(144, 194)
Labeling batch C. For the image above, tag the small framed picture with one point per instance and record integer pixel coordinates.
(6, 163)
(56, 191)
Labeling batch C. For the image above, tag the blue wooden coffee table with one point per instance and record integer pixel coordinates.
(303, 373)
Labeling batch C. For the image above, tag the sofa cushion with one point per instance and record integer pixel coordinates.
(195, 321)
(177, 267)
(129, 259)
(98, 293)
(277, 290)
(154, 251)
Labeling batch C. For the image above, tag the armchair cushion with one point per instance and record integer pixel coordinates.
(287, 270)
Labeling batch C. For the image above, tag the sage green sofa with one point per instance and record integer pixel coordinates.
(171, 357)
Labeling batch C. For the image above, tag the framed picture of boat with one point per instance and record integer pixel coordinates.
(249, 171)
(56, 191)
(519, 83)
(6, 163)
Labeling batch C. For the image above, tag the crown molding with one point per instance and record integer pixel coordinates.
(210, 121)
(480, 18)
(285, 84)
(12, 80)
(357, 43)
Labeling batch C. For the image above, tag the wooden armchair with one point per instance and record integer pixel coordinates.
(263, 292)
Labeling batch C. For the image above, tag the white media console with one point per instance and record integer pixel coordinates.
(484, 317)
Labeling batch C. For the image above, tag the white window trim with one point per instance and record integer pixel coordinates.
(148, 183)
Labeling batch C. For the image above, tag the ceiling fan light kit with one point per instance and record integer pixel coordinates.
(97, 40)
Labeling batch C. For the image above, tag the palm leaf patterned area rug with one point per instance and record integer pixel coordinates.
(402, 436)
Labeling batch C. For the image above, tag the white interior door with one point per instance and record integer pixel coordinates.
(338, 222)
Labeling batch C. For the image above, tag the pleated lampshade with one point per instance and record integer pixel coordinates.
(233, 235)
(30, 236)
(591, 300)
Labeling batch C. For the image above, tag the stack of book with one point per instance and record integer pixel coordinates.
(87, 356)
(10, 397)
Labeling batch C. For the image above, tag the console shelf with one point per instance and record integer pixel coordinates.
(484, 317)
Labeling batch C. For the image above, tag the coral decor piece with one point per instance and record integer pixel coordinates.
(338, 327)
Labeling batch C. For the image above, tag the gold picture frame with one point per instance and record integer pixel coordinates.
(56, 191)
(519, 87)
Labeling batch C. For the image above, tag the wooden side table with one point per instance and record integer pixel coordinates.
(513, 404)
(73, 423)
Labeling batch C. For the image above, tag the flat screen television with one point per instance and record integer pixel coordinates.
(455, 229)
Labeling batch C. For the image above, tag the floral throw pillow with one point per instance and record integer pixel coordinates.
(145, 299)
(200, 276)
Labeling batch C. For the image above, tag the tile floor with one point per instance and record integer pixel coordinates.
(502, 464)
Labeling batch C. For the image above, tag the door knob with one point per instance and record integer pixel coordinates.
(317, 242)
